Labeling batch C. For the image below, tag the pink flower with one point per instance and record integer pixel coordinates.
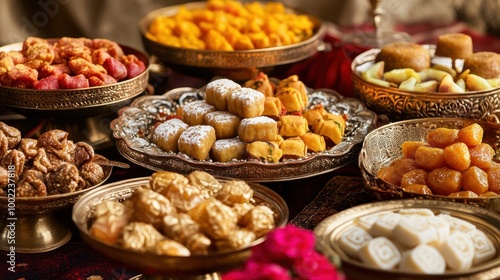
(315, 266)
(284, 245)
(288, 253)
(259, 271)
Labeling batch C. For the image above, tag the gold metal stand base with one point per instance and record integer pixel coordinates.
(32, 233)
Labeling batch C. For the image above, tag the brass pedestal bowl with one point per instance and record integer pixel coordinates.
(383, 145)
(238, 65)
(402, 104)
(84, 113)
(29, 225)
(153, 266)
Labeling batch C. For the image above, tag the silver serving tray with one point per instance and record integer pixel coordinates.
(131, 128)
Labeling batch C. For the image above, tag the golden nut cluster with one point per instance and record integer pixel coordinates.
(177, 215)
(228, 25)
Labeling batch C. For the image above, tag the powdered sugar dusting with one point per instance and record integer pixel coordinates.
(169, 128)
(223, 144)
(248, 96)
(222, 86)
(257, 120)
(196, 134)
(220, 117)
(197, 108)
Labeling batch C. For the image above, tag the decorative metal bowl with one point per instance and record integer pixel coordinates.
(329, 231)
(237, 65)
(169, 267)
(36, 228)
(137, 119)
(75, 103)
(400, 105)
(382, 145)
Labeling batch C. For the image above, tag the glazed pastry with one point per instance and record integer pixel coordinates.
(160, 181)
(313, 114)
(166, 134)
(273, 107)
(193, 113)
(140, 237)
(265, 151)
(217, 91)
(257, 129)
(261, 83)
(239, 238)
(292, 125)
(291, 98)
(224, 123)
(183, 197)
(246, 102)
(110, 219)
(225, 150)
(401, 55)
(293, 148)
(314, 142)
(235, 191)
(294, 82)
(331, 126)
(216, 219)
(167, 247)
(179, 227)
(207, 183)
(150, 207)
(196, 141)
(259, 219)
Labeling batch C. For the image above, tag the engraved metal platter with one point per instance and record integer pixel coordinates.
(132, 127)
(237, 65)
(330, 230)
(170, 267)
(400, 105)
(383, 145)
(85, 102)
(36, 215)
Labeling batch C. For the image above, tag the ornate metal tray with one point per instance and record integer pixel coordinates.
(36, 215)
(383, 145)
(170, 267)
(329, 231)
(239, 65)
(401, 105)
(134, 121)
(85, 102)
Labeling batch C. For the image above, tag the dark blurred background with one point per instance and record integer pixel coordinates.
(118, 19)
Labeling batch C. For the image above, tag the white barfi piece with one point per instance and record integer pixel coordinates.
(380, 252)
(457, 224)
(442, 226)
(353, 239)
(423, 259)
(417, 211)
(367, 221)
(385, 225)
(484, 250)
(458, 251)
(414, 230)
